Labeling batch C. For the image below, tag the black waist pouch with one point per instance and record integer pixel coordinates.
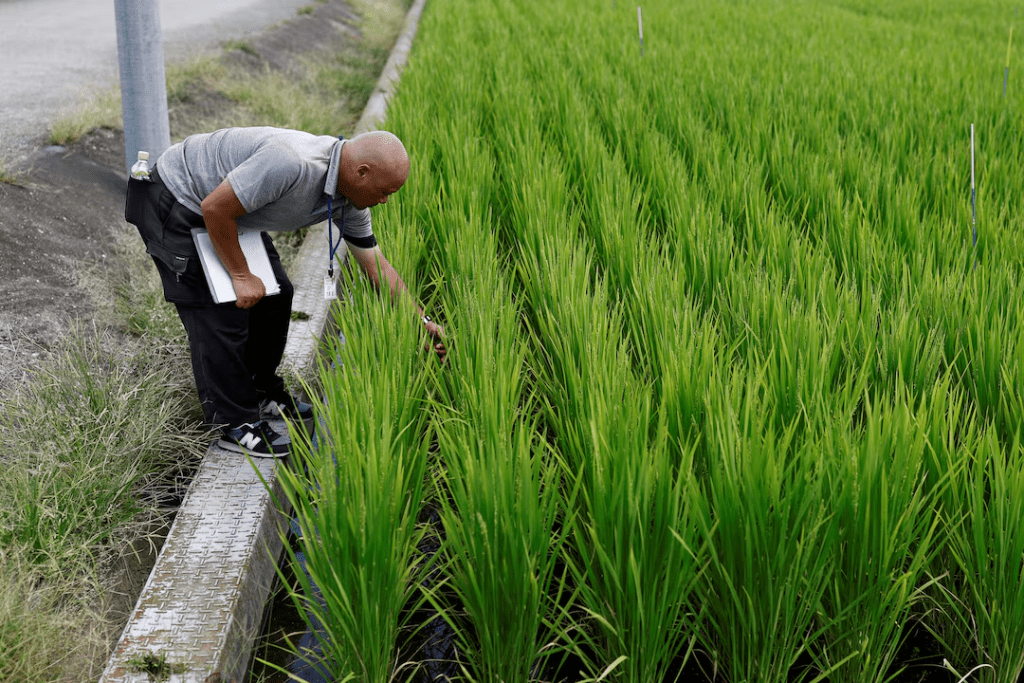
(134, 204)
(165, 226)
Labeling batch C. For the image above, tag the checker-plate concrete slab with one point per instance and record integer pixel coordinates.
(202, 605)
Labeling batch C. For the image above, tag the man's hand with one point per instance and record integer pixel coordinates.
(249, 289)
(436, 333)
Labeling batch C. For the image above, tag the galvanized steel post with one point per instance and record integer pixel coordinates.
(140, 60)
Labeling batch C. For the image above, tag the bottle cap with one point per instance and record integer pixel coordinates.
(144, 155)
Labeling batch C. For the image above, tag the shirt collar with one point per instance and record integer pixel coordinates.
(333, 167)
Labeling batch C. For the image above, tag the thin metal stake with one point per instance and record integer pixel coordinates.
(974, 229)
(640, 23)
(1006, 74)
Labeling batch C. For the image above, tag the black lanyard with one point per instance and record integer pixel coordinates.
(333, 248)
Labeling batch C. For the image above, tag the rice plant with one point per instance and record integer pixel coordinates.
(884, 523)
(766, 521)
(498, 489)
(984, 600)
(356, 492)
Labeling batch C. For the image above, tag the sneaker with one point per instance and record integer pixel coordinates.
(289, 408)
(257, 439)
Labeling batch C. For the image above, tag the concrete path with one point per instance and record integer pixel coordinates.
(53, 53)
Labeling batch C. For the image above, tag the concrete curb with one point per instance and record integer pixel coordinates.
(376, 107)
(202, 607)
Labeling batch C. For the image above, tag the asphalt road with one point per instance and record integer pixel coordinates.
(54, 53)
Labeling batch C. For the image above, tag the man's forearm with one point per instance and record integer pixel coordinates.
(383, 270)
(378, 269)
(224, 236)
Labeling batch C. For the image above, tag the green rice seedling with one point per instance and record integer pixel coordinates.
(633, 555)
(983, 344)
(908, 352)
(636, 559)
(678, 350)
(747, 250)
(500, 502)
(985, 599)
(357, 492)
(884, 525)
(1011, 407)
(765, 521)
(499, 494)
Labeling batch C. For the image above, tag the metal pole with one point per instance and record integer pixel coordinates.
(640, 26)
(140, 60)
(974, 229)
(1006, 73)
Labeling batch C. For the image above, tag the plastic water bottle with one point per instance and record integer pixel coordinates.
(140, 171)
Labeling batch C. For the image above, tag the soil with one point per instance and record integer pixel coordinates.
(60, 214)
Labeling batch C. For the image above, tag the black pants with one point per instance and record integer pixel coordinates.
(235, 352)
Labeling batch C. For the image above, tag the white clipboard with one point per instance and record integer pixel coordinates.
(217, 277)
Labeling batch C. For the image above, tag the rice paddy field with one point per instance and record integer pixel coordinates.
(731, 393)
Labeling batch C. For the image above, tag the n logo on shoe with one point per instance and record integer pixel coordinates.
(250, 441)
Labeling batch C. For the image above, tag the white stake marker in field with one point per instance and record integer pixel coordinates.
(974, 230)
(1006, 74)
(640, 24)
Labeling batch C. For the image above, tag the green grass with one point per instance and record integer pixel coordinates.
(242, 46)
(155, 666)
(98, 421)
(35, 618)
(99, 110)
(96, 436)
(7, 176)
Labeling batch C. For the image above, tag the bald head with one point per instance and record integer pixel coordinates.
(382, 152)
(374, 165)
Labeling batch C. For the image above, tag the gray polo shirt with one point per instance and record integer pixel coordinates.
(281, 177)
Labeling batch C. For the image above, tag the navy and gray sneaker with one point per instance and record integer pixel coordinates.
(289, 408)
(257, 439)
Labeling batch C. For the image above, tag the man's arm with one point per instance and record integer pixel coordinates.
(378, 269)
(221, 210)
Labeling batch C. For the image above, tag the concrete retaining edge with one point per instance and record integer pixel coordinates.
(202, 606)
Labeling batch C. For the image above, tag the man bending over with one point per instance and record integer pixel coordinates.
(258, 179)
